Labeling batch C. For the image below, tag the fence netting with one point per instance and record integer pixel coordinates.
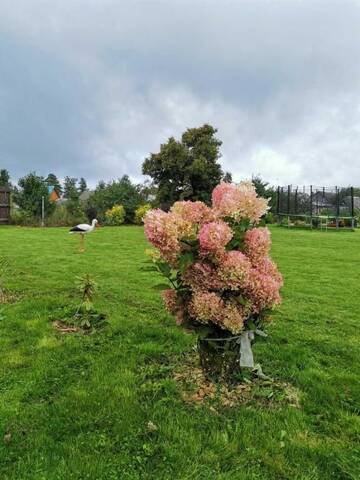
(318, 201)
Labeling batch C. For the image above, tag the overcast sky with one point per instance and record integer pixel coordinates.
(89, 88)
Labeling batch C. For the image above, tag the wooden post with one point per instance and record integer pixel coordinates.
(82, 243)
(288, 203)
(42, 211)
(311, 205)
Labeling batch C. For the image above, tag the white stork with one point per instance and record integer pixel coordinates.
(83, 229)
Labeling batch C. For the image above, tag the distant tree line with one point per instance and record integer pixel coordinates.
(185, 169)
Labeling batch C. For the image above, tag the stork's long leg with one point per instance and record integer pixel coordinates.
(82, 243)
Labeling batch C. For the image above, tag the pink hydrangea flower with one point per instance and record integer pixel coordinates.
(263, 290)
(221, 287)
(202, 276)
(193, 212)
(205, 307)
(238, 202)
(268, 267)
(232, 317)
(213, 237)
(162, 231)
(257, 244)
(170, 300)
(234, 269)
(165, 230)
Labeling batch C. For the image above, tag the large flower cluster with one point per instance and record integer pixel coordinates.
(238, 201)
(219, 263)
(213, 238)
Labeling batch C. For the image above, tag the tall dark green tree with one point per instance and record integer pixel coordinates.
(4, 178)
(82, 185)
(188, 169)
(72, 195)
(264, 190)
(70, 189)
(53, 181)
(28, 195)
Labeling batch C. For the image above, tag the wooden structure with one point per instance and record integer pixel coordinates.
(53, 194)
(4, 204)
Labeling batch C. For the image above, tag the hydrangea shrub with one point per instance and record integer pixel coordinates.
(217, 261)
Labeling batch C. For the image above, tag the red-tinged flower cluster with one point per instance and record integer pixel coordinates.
(170, 300)
(238, 201)
(205, 306)
(213, 238)
(220, 277)
(257, 244)
(234, 270)
(193, 212)
(204, 276)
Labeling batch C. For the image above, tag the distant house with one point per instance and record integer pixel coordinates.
(53, 194)
(84, 196)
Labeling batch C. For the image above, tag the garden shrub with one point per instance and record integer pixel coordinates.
(23, 218)
(140, 213)
(62, 217)
(269, 218)
(224, 283)
(115, 215)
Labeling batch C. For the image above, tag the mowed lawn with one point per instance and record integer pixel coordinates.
(77, 407)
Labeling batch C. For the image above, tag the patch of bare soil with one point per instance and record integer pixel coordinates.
(8, 297)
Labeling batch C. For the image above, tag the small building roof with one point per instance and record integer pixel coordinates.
(85, 195)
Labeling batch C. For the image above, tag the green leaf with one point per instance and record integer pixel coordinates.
(204, 331)
(164, 269)
(161, 286)
(185, 260)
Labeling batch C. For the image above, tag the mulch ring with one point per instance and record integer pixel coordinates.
(64, 328)
(196, 389)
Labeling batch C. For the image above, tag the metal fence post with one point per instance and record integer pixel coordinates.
(42, 211)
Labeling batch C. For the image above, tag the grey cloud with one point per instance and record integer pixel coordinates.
(89, 88)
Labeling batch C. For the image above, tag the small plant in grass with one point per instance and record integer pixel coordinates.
(224, 284)
(84, 316)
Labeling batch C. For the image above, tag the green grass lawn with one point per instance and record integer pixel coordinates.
(76, 407)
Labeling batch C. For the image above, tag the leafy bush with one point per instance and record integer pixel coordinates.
(119, 192)
(21, 217)
(62, 217)
(140, 213)
(115, 215)
(269, 218)
(29, 194)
